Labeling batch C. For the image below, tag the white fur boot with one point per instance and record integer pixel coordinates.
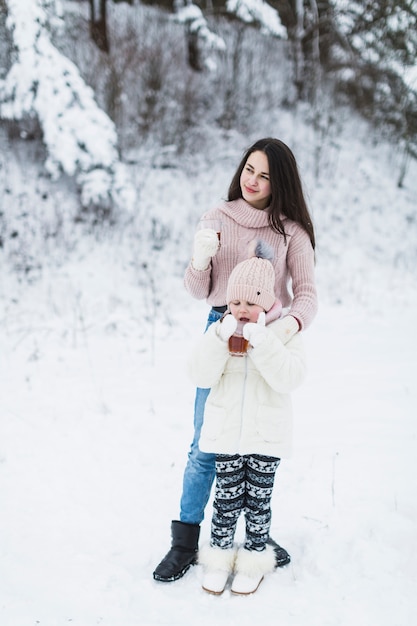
(250, 568)
(218, 565)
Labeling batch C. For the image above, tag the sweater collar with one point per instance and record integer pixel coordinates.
(244, 214)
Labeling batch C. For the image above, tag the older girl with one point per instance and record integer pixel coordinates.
(265, 201)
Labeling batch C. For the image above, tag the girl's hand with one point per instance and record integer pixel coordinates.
(286, 327)
(255, 333)
(227, 327)
(206, 245)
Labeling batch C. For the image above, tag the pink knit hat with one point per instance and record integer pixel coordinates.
(254, 279)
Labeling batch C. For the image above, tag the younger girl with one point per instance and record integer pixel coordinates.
(247, 422)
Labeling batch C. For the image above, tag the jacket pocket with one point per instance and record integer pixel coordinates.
(214, 419)
(272, 426)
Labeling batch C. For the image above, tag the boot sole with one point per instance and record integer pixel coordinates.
(246, 593)
(174, 577)
(213, 593)
(283, 562)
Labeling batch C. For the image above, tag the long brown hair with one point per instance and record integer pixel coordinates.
(287, 197)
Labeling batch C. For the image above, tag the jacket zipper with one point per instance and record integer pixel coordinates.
(243, 398)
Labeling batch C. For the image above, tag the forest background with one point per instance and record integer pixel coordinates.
(88, 87)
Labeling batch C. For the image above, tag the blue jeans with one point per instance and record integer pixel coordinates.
(200, 469)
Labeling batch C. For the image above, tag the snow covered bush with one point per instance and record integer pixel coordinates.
(42, 84)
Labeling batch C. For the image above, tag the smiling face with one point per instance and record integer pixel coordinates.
(254, 180)
(245, 311)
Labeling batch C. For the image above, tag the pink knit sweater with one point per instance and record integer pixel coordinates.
(293, 261)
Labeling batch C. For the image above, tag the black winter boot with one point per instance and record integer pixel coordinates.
(281, 555)
(182, 555)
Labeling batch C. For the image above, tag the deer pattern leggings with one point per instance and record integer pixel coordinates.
(243, 483)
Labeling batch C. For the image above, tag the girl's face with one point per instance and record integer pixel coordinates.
(254, 180)
(245, 311)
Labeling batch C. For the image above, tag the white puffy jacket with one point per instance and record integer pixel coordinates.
(248, 410)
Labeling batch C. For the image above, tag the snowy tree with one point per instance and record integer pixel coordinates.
(373, 58)
(368, 50)
(45, 86)
(98, 24)
(201, 39)
(202, 42)
(258, 13)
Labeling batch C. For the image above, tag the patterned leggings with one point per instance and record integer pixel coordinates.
(243, 483)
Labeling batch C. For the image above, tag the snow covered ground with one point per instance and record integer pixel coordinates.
(96, 419)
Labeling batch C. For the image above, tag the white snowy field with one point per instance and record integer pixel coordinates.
(96, 408)
(96, 419)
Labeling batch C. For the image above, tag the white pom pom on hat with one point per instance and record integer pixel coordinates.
(254, 279)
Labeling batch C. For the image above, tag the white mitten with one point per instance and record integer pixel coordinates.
(206, 244)
(255, 333)
(227, 327)
(286, 327)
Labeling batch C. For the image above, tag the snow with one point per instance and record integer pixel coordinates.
(97, 417)
(258, 11)
(191, 14)
(96, 407)
(42, 83)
